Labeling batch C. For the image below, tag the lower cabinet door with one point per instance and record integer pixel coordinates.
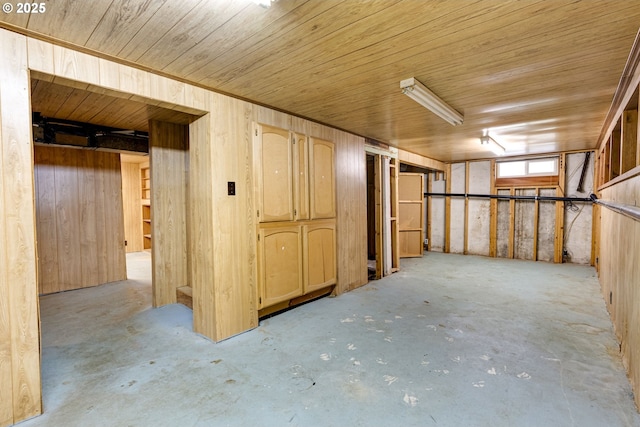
(280, 264)
(319, 255)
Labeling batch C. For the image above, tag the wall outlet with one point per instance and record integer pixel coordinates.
(426, 241)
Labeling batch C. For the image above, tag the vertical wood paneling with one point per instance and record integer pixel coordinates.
(46, 219)
(620, 275)
(168, 161)
(20, 384)
(131, 203)
(88, 228)
(201, 228)
(233, 217)
(115, 219)
(79, 218)
(100, 218)
(68, 209)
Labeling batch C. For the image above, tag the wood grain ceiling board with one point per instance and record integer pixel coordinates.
(540, 74)
(80, 104)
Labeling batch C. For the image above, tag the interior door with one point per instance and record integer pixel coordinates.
(411, 214)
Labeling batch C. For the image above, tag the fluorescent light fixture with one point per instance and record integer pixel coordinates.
(492, 145)
(263, 3)
(429, 100)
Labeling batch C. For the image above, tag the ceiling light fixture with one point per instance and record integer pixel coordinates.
(492, 145)
(263, 3)
(429, 100)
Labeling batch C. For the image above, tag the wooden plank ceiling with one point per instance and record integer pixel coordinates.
(538, 74)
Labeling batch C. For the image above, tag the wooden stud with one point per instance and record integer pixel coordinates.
(536, 220)
(559, 229)
(512, 223)
(493, 214)
(377, 179)
(465, 249)
(430, 177)
(447, 210)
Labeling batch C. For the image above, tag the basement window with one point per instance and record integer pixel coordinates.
(540, 171)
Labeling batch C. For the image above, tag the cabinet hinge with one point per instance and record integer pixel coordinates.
(260, 300)
(295, 212)
(256, 132)
(258, 237)
(258, 213)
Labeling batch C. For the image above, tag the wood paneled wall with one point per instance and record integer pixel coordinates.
(79, 218)
(221, 228)
(168, 152)
(20, 389)
(619, 273)
(131, 206)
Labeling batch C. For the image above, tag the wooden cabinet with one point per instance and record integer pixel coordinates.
(279, 264)
(300, 177)
(275, 201)
(322, 179)
(319, 255)
(296, 209)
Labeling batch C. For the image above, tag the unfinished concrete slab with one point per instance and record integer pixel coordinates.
(450, 340)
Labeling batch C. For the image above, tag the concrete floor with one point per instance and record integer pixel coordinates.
(448, 341)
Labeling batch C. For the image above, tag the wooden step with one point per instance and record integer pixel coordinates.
(184, 295)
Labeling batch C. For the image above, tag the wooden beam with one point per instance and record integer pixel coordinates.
(429, 207)
(559, 228)
(377, 180)
(493, 214)
(536, 220)
(512, 223)
(466, 209)
(421, 161)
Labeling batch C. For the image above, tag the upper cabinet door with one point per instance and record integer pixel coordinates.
(275, 181)
(322, 179)
(300, 176)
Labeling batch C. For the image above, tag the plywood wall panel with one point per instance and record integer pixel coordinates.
(18, 286)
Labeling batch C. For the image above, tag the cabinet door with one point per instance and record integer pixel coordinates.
(280, 264)
(275, 190)
(319, 255)
(300, 177)
(322, 179)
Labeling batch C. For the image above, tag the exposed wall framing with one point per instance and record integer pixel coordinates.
(526, 229)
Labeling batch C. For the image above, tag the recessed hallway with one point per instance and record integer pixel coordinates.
(448, 341)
